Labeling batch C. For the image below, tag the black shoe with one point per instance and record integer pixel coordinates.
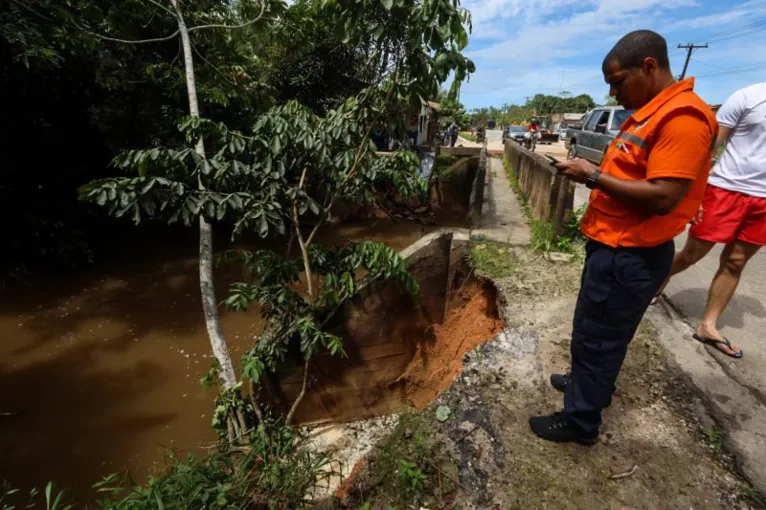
(561, 381)
(557, 427)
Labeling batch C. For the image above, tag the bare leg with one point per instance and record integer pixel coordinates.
(734, 258)
(693, 251)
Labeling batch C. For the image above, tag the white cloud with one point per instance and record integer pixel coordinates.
(525, 47)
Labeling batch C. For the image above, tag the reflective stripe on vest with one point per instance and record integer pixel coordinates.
(635, 140)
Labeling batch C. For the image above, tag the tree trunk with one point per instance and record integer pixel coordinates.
(207, 289)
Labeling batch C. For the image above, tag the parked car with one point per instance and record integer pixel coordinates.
(515, 133)
(599, 128)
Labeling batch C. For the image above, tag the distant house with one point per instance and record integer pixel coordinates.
(564, 120)
(428, 122)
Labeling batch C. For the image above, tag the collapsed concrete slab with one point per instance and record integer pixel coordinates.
(398, 353)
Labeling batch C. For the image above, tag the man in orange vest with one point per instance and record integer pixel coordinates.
(646, 190)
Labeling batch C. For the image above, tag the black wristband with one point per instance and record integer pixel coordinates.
(591, 182)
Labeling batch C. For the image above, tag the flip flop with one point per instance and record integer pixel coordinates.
(716, 343)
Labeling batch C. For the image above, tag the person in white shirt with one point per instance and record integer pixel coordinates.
(733, 211)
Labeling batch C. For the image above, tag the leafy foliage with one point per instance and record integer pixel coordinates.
(276, 471)
(292, 167)
(539, 105)
(52, 500)
(453, 110)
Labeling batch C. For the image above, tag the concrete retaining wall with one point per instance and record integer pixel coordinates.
(549, 195)
(476, 200)
(466, 182)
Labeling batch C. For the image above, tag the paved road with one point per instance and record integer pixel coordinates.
(735, 389)
(744, 322)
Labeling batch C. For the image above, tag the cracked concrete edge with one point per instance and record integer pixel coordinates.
(737, 412)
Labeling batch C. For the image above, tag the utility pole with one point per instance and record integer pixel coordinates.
(689, 49)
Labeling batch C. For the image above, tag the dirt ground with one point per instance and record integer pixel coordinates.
(657, 450)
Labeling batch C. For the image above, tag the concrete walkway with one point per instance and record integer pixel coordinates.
(502, 217)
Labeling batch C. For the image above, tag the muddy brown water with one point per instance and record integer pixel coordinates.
(99, 372)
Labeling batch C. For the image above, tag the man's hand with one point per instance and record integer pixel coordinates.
(698, 217)
(576, 169)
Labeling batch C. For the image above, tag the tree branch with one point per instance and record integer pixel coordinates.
(232, 27)
(303, 245)
(166, 9)
(358, 159)
(139, 41)
(302, 394)
(217, 71)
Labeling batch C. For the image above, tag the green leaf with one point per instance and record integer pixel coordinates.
(387, 4)
(263, 227)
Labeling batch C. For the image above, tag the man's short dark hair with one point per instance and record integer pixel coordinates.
(631, 50)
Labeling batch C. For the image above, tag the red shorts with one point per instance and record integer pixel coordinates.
(729, 216)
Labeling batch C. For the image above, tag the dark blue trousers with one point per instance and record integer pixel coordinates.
(617, 286)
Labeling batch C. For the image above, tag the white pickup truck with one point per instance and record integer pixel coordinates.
(599, 127)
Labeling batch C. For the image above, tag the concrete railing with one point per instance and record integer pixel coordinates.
(476, 200)
(548, 194)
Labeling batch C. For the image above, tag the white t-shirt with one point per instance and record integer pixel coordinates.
(742, 166)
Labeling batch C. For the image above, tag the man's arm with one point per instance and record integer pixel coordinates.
(658, 196)
(680, 152)
(723, 136)
(729, 115)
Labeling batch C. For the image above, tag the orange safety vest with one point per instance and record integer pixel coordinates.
(615, 223)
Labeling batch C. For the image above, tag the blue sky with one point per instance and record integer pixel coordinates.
(524, 47)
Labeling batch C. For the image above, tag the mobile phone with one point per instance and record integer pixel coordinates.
(552, 159)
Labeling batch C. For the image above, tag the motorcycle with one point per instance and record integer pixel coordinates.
(530, 140)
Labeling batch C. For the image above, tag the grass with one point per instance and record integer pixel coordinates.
(496, 260)
(714, 440)
(468, 136)
(275, 469)
(544, 236)
(411, 469)
(444, 161)
(446, 167)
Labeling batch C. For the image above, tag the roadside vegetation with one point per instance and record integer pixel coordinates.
(493, 259)
(544, 236)
(411, 467)
(538, 105)
(468, 135)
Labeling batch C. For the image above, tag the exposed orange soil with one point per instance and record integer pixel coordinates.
(436, 364)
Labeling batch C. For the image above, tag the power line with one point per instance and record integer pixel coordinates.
(689, 49)
(740, 34)
(736, 70)
(734, 30)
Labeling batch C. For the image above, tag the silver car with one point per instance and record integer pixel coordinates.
(515, 133)
(600, 126)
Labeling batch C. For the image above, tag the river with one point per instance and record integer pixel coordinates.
(100, 370)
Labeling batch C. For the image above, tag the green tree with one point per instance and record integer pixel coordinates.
(453, 110)
(85, 98)
(290, 167)
(479, 117)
